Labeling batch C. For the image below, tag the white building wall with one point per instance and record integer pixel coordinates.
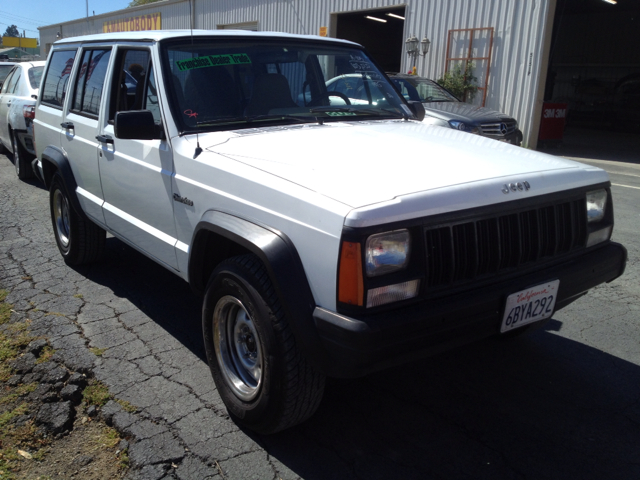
(518, 61)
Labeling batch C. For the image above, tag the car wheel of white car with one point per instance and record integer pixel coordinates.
(80, 241)
(264, 381)
(21, 159)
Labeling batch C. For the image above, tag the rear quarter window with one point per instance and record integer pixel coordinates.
(35, 75)
(57, 78)
(4, 71)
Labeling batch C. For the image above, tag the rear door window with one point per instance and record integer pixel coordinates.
(90, 81)
(56, 81)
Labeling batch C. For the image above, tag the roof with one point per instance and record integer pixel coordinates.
(157, 35)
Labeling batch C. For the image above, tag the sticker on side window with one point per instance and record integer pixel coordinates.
(213, 61)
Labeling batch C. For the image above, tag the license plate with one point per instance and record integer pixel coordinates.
(529, 305)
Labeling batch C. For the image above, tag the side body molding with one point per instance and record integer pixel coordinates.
(282, 261)
(55, 157)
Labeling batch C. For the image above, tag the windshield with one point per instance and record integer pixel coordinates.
(239, 84)
(423, 89)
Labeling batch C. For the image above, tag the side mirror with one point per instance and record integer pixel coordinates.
(135, 125)
(417, 108)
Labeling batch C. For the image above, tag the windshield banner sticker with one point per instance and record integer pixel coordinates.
(213, 61)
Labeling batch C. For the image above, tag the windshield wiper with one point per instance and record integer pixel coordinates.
(280, 116)
(365, 111)
(255, 118)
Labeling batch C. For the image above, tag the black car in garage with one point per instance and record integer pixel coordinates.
(445, 109)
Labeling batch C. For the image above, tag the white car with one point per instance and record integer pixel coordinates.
(17, 109)
(325, 239)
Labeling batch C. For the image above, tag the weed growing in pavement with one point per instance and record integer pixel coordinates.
(96, 394)
(98, 352)
(6, 417)
(5, 308)
(25, 452)
(126, 406)
(45, 355)
(110, 437)
(19, 391)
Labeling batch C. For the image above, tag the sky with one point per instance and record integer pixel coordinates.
(28, 15)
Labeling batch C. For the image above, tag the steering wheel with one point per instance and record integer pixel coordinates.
(330, 94)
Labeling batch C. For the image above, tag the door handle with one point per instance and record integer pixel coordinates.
(104, 139)
(67, 125)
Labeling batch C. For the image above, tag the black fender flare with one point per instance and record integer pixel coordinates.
(59, 159)
(281, 259)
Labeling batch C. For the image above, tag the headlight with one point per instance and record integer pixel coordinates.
(387, 252)
(596, 205)
(458, 125)
(596, 210)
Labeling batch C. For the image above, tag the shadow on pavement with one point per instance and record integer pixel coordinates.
(541, 406)
(598, 144)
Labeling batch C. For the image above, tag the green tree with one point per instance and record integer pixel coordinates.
(137, 3)
(461, 83)
(12, 31)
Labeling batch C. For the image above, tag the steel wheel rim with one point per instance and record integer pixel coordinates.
(16, 155)
(237, 347)
(61, 218)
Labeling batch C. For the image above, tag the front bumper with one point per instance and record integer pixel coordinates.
(514, 138)
(357, 346)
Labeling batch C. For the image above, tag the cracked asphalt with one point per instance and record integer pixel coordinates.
(559, 403)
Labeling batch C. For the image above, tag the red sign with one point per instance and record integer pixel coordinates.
(552, 121)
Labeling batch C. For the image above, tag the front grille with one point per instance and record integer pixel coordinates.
(496, 129)
(465, 251)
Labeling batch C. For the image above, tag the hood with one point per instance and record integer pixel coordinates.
(464, 112)
(364, 163)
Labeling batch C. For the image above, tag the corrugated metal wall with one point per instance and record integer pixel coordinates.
(175, 14)
(518, 46)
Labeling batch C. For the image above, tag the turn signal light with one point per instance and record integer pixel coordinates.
(350, 284)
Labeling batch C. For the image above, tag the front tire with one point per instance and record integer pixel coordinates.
(264, 381)
(21, 159)
(80, 241)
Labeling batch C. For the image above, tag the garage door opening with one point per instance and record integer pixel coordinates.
(380, 31)
(594, 68)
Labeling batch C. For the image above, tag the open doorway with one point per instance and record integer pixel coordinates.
(594, 68)
(380, 31)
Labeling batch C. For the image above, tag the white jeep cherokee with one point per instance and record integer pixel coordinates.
(328, 238)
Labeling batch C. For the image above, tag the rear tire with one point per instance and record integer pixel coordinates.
(80, 241)
(21, 159)
(263, 379)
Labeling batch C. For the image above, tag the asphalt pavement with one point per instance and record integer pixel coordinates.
(563, 402)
